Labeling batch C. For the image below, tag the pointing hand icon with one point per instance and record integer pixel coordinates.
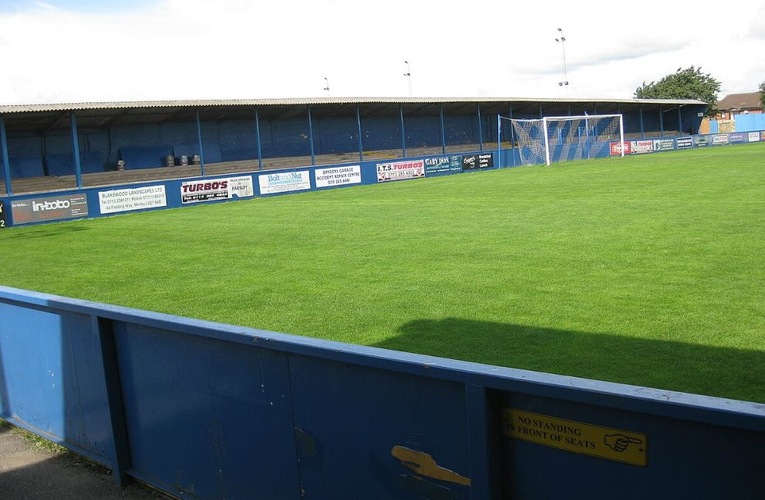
(620, 442)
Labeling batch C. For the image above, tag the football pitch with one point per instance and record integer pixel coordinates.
(646, 270)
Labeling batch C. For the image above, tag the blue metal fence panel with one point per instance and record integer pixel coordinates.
(52, 379)
(238, 140)
(218, 411)
(423, 131)
(418, 427)
(207, 418)
(336, 135)
(680, 454)
(750, 122)
(379, 133)
(109, 200)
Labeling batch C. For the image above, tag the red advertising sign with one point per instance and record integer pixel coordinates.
(616, 148)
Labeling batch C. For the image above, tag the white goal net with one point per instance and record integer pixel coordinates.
(564, 138)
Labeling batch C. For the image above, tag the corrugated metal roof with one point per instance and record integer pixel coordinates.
(327, 101)
(33, 118)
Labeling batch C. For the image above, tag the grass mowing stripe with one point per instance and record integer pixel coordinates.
(645, 270)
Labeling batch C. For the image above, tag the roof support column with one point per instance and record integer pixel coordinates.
(403, 132)
(310, 136)
(75, 149)
(201, 150)
(480, 127)
(257, 139)
(4, 154)
(642, 128)
(512, 133)
(443, 129)
(499, 140)
(679, 119)
(661, 122)
(358, 125)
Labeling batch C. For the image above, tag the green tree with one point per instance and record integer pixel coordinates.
(762, 94)
(689, 83)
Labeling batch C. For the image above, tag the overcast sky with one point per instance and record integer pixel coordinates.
(101, 50)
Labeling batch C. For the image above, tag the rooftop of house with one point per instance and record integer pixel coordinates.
(750, 100)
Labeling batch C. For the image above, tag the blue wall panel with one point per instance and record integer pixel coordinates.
(750, 122)
(135, 135)
(220, 411)
(211, 150)
(95, 141)
(238, 140)
(288, 138)
(24, 145)
(52, 378)
(673, 469)
(461, 129)
(631, 125)
(671, 120)
(651, 123)
(137, 157)
(207, 418)
(381, 133)
(63, 163)
(178, 133)
(338, 406)
(336, 135)
(26, 166)
(422, 131)
(57, 143)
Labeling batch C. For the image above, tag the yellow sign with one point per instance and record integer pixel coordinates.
(577, 437)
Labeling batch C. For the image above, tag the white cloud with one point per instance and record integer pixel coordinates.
(65, 51)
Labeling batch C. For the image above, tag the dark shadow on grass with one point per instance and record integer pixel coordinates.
(44, 231)
(716, 371)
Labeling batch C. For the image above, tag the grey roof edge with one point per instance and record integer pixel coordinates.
(202, 103)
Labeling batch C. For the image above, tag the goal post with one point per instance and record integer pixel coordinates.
(554, 139)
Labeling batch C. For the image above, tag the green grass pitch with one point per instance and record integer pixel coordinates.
(647, 270)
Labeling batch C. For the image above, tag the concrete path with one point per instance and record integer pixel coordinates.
(27, 472)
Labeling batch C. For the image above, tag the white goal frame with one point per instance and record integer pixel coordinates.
(580, 142)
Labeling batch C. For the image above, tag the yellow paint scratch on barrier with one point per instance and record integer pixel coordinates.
(424, 464)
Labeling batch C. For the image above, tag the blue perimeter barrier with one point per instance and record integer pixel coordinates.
(207, 410)
(160, 194)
